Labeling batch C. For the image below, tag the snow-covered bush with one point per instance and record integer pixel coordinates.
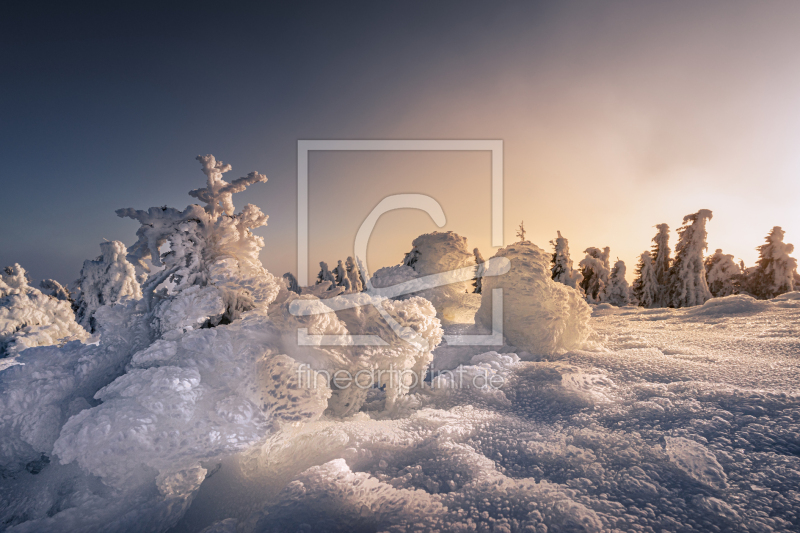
(775, 269)
(325, 274)
(617, 292)
(53, 288)
(105, 281)
(661, 254)
(645, 287)
(562, 264)
(30, 318)
(595, 270)
(539, 315)
(723, 275)
(687, 284)
(291, 282)
(439, 252)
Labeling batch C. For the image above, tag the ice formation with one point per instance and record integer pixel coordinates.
(686, 283)
(539, 315)
(31, 318)
(107, 280)
(562, 264)
(775, 270)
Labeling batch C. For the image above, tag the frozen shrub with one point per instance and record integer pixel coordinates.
(539, 315)
(105, 281)
(30, 318)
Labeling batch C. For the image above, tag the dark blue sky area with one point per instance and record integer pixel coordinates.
(106, 106)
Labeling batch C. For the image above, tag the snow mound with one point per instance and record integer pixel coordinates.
(539, 315)
(30, 318)
(737, 304)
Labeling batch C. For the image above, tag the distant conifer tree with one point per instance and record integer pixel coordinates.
(686, 284)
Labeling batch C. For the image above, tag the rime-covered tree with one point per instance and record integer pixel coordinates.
(477, 283)
(595, 271)
(354, 275)
(53, 288)
(561, 264)
(775, 268)
(617, 292)
(339, 273)
(723, 275)
(411, 257)
(325, 274)
(645, 287)
(662, 261)
(107, 280)
(291, 282)
(686, 284)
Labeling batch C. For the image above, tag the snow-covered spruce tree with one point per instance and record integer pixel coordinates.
(723, 275)
(562, 270)
(291, 283)
(29, 318)
(107, 280)
(339, 273)
(354, 275)
(645, 287)
(686, 283)
(477, 283)
(662, 261)
(775, 268)
(595, 271)
(617, 292)
(325, 274)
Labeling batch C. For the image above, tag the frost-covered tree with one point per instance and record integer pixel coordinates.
(354, 275)
(29, 318)
(686, 284)
(53, 288)
(325, 274)
(723, 275)
(645, 287)
(291, 282)
(617, 292)
(411, 257)
(595, 271)
(561, 263)
(107, 280)
(775, 268)
(339, 273)
(477, 283)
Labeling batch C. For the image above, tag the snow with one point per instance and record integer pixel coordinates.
(196, 408)
(540, 315)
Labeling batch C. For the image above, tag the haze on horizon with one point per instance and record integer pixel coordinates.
(614, 118)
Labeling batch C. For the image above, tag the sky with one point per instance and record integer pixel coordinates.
(614, 116)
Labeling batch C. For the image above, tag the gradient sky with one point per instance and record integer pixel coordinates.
(615, 116)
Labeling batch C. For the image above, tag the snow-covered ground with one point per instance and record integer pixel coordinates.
(674, 420)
